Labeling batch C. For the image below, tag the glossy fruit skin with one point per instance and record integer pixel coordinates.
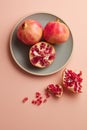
(30, 32)
(56, 32)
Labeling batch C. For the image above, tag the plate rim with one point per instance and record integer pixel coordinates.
(26, 70)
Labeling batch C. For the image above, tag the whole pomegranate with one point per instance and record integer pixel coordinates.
(42, 54)
(56, 32)
(30, 32)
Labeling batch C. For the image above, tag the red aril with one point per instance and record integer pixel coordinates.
(30, 32)
(25, 99)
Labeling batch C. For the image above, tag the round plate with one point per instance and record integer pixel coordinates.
(20, 51)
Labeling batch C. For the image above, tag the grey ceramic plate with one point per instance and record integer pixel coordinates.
(20, 51)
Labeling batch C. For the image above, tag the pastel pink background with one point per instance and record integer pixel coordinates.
(70, 111)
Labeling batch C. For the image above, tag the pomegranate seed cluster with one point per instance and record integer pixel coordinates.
(70, 80)
(42, 53)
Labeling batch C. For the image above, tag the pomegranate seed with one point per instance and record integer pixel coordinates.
(39, 102)
(47, 94)
(38, 94)
(42, 46)
(40, 98)
(51, 57)
(25, 99)
(45, 100)
(33, 101)
(35, 59)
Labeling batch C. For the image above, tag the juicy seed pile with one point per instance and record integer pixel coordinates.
(42, 54)
(72, 80)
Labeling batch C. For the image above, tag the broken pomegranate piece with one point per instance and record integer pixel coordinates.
(42, 54)
(55, 90)
(72, 80)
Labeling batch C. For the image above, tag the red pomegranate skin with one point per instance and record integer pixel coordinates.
(56, 32)
(30, 32)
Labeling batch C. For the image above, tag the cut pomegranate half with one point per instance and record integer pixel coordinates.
(72, 80)
(55, 90)
(42, 54)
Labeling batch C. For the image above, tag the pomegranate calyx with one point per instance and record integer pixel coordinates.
(24, 25)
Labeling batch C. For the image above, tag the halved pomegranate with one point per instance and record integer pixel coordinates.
(42, 54)
(55, 89)
(30, 32)
(72, 80)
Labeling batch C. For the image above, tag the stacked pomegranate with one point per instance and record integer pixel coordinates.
(42, 53)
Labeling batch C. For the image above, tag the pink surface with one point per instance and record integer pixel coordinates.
(70, 111)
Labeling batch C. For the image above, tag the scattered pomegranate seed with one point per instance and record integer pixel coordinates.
(38, 94)
(25, 99)
(33, 101)
(47, 94)
(45, 100)
(39, 102)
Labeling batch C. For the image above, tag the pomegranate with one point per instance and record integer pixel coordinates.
(72, 80)
(55, 90)
(30, 32)
(56, 32)
(42, 54)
